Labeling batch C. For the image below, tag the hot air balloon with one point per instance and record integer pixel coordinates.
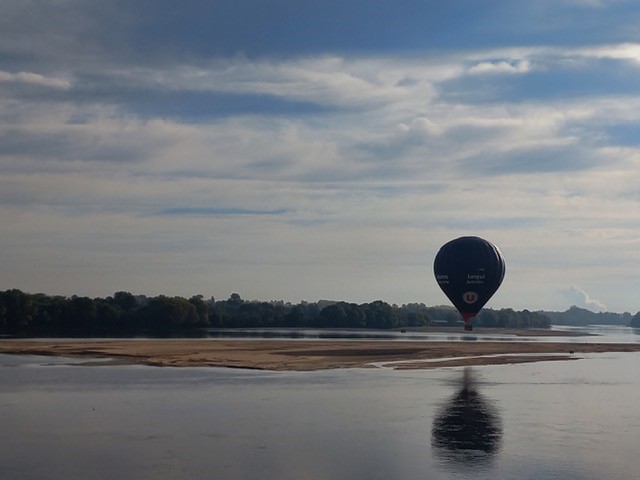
(469, 270)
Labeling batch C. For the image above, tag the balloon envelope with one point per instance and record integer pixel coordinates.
(469, 270)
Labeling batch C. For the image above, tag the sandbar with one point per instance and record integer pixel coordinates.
(282, 355)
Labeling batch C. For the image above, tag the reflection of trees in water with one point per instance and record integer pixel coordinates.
(467, 430)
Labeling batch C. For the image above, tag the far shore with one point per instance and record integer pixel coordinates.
(281, 355)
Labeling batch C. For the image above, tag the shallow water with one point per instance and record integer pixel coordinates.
(566, 420)
(586, 334)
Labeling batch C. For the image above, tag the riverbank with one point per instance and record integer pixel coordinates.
(306, 356)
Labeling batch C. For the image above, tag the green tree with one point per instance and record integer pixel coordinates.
(380, 314)
(81, 314)
(413, 315)
(125, 301)
(201, 309)
(109, 316)
(342, 315)
(235, 300)
(295, 317)
(166, 313)
(17, 310)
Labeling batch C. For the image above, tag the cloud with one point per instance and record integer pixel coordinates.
(333, 82)
(420, 127)
(210, 211)
(235, 170)
(500, 66)
(35, 79)
(403, 128)
(623, 51)
(580, 298)
(62, 34)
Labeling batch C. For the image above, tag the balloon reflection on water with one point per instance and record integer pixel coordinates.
(467, 429)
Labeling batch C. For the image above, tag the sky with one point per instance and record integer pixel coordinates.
(306, 150)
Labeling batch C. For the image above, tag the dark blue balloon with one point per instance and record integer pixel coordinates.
(469, 270)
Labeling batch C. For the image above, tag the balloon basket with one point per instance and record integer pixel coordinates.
(468, 328)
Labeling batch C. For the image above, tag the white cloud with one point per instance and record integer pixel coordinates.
(35, 79)
(580, 298)
(369, 192)
(519, 60)
(624, 51)
(331, 81)
(420, 127)
(500, 66)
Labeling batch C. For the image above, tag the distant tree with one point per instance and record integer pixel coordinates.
(214, 314)
(311, 312)
(51, 313)
(17, 310)
(34, 314)
(379, 314)
(342, 315)
(108, 316)
(581, 316)
(508, 318)
(235, 300)
(444, 314)
(81, 314)
(635, 321)
(413, 315)
(295, 317)
(201, 309)
(125, 300)
(417, 319)
(166, 313)
(490, 318)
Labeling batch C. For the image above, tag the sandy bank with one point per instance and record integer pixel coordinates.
(311, 355)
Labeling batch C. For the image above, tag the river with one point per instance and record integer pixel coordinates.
(65, 418)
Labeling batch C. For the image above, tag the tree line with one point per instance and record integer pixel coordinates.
(576, 316)
(126, 314)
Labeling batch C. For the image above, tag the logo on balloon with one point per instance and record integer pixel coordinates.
(470, 297)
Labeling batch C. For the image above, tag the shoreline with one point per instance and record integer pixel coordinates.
(292, 355)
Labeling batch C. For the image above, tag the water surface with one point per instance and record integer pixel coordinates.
(566, 420)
